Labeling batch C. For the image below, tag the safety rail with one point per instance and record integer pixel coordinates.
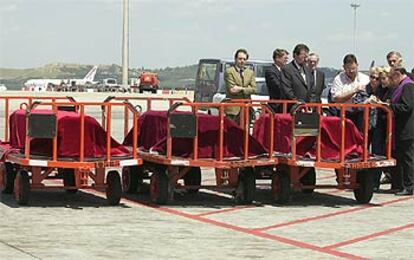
(293, 106)
(221, 107)
(26, 101)
(81, 111)
(149, 103)
(343, 108)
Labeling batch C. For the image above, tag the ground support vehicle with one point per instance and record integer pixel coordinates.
(184, 140)
(332, 142)
(210, 85)
(45, 141)
(148, 81)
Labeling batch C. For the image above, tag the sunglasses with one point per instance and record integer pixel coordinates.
(374, 77)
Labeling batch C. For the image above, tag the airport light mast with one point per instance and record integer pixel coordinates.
(125, 46)
(355, 7)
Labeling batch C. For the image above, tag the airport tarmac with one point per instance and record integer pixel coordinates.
(327, 224)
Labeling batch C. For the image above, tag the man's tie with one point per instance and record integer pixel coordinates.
(302, 72)
(241, 76)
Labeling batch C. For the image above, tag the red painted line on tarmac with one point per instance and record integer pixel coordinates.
(247, 231)
(337, 213)
(370, 236)
(224, 210)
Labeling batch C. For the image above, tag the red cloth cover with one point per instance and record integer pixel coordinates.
(153, 135)
(306, 146)
(68, 136)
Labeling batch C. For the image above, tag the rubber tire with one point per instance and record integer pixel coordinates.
(309, 179)
(160, 187)
(364, 193)
(10, 175)
(281, 186)
(131, 178)
(247, 186)
(114, 188)
(68, 176)
(193, 177)
(22, 187)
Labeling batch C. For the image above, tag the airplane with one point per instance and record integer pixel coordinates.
(47, 84)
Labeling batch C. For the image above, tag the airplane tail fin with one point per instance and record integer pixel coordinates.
(91, 74)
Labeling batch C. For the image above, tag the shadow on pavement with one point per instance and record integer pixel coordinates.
(59, 198)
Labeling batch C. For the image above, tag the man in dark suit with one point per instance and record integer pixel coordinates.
(273, 77)
(297, 80)
(318, 77)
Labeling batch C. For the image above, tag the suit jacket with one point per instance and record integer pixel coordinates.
(273, 77)
(248, 82)
(404, 114)
(294, 86)
(319, 86)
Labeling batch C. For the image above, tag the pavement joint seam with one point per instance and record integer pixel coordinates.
(19, 249)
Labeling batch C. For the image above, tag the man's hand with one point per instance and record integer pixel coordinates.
(359, 88)
(236, 89)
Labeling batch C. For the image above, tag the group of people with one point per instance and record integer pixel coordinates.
(303, 81)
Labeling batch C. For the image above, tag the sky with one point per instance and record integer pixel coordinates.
(180, 32)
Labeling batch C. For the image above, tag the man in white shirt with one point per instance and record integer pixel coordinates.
(347, 84)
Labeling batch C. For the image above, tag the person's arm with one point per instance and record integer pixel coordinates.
(287, 85)
(406, 101)
(251, 88)
(323, 80)
(273, 82)
(230, 82)
(339, 95)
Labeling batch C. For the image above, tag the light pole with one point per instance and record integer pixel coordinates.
(125, 46)
(355, 7)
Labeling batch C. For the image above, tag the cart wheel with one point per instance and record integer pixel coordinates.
(7, 179)
(68, 176)
(366, 189)
(246, 188)
(193, 177)
(281, 187)
(309, 179)
(131, 178)
(22, 187)
(159, 187)
(114, 188)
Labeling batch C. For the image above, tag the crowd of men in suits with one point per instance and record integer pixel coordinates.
(301, 80)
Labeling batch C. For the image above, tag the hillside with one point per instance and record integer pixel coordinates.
(176, 77)
(169, 77)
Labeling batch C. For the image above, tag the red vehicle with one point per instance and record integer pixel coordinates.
(148, 81)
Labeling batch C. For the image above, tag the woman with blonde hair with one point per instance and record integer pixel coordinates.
(377, 127)
(379, 133)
